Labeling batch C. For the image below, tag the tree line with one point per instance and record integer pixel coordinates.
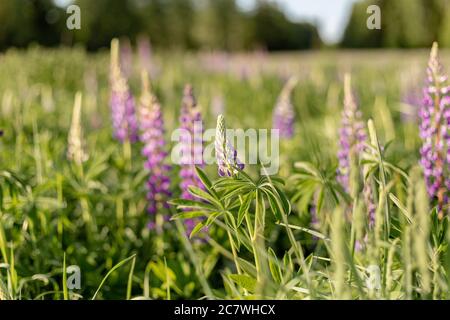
(170, 24)
(404, 24)
(217, 24)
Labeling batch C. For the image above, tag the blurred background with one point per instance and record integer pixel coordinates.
(231, 25)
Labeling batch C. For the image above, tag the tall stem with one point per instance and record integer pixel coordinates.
(258, 244)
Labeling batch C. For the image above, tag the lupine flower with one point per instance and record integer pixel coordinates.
(370, 203)
(227, 160)
(75, 150)
(434, 130)
(152, 135)
(411, 96)
(283, 113)
(122, 102)
(191, 141)
(352, 136)
(352, 147)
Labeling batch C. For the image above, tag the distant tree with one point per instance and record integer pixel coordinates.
(181, 24)
(356, 34)
(275, 32)
(103, 20)
(444, 32)
(405, 24)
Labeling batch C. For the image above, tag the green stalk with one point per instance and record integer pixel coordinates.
(192, 256)
(258, 244)
(233, 249)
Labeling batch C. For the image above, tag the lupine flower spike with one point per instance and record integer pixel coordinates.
(351, 149)
(434, 131)
(152, 135)
(352, 136)
(122, 102)
(227, 160)
(191, 141)
(76, 152)
(283, 113)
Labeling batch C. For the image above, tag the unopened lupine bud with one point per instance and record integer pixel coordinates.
(76, 152)
(226, 156)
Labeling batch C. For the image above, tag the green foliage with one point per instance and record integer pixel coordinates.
(261, 240)
(404, 24)
(172, 24)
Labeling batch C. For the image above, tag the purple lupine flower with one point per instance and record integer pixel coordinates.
(352, 136)
(283, 113)
(152, 135)
(370, 203)
(434, 130)
(411, 102)
(191, 141)
(122, 102)
(352, 147)
(227, 160)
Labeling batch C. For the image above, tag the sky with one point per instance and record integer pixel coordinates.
(330, 16)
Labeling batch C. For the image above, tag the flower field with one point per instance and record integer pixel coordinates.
(94, 206)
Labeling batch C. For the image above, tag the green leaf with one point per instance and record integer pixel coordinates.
(274, 266)
(213, 216)
(192, 204)
(244, 281)
(201, 194)
(118, 265)
(188, 215)
(243, 209)
(276, 207)
(197, 229)
(204, 178)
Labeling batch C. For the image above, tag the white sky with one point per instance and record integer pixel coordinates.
(330, 16)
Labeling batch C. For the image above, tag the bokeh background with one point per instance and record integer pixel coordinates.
(227, 24)
(238, 56)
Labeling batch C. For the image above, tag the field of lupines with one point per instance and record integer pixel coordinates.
(358, 209)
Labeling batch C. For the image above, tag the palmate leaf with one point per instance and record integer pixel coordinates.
(190, 204)
(197, 229)
(204, 178)
(203, 195)
(277, 200)
(308, 168)
(274, 266)
(243, 209)
(188, 215)
(203, 224)
(236, 192)
(244, 281)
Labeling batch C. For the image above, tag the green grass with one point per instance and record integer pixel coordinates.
(54, 213)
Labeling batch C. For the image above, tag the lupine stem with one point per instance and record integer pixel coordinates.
(258, 244)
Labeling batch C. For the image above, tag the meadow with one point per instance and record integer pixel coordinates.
(72, 193)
